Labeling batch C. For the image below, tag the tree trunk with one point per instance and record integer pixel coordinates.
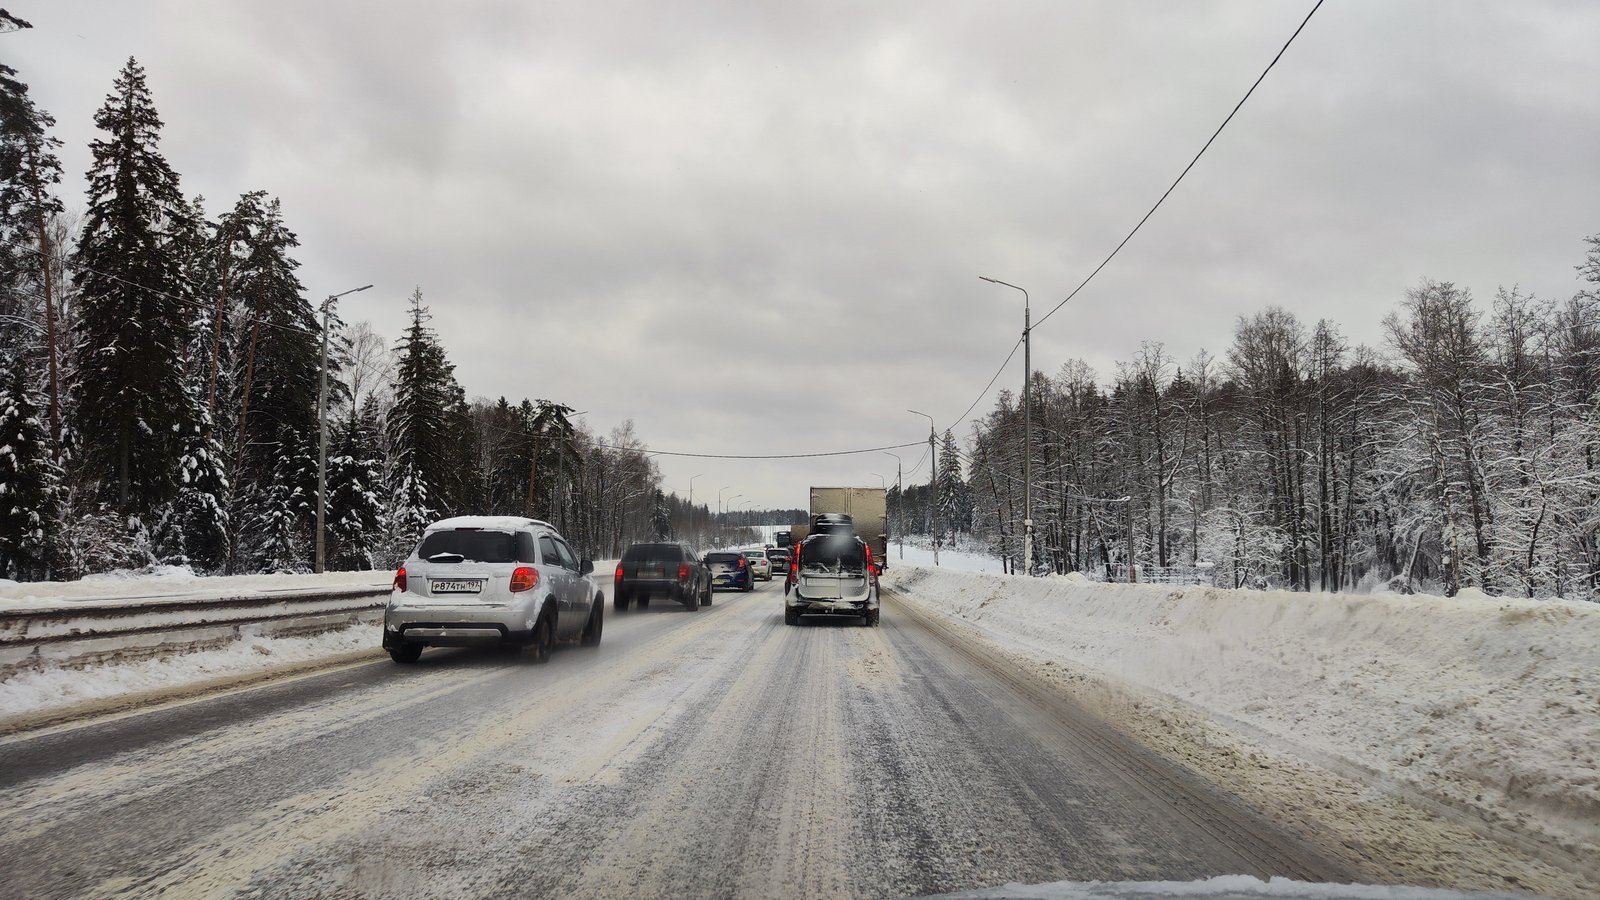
(48, 279)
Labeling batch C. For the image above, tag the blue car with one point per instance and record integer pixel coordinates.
(730, 570)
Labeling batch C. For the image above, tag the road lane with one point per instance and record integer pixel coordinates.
(713, 753)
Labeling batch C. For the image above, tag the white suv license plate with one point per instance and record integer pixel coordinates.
(458, 587)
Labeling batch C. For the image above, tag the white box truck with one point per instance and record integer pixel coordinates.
(866, 506)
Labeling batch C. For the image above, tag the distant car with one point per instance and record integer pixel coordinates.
(779, 557)
(492, 580)
(661, 570)
(833, 575)
(730, 569)
(760, 566)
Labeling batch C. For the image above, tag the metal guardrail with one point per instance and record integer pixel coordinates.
(92, 631)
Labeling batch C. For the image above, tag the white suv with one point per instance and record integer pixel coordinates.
(492, 580)
(834, 575)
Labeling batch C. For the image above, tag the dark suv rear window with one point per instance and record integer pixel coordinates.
(653, 553)
(724, 557)
(834, 552)
(469, 546)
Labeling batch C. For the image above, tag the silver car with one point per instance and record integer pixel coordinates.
(760, 566)
(492, 581)
(834, 575)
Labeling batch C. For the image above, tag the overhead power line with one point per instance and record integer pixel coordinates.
(760, 455)
(1186, 169)
(985, 392)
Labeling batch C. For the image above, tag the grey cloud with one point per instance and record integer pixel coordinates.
(623, 186)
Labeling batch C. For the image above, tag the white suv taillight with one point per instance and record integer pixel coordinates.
(400, 579)
(525, 578)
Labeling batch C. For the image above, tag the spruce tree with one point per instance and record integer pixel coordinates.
(425, 405)
(280, 512)
(954, 504)
(283, 355)
(30, 482)
(355, 500)
(132, 326)
(196, 525)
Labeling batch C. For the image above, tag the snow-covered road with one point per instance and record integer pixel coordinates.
(715, 753)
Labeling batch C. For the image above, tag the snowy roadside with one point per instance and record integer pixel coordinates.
(42, 692)
(173, 582)
(29, 695)
(1488, 705)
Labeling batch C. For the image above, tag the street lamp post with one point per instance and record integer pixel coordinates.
(691, 503)
(933, 482)
(1027, 425)
(881, 483)
(899, 503)
(322, 433)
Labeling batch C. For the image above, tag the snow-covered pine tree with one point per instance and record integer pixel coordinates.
(661, 517)
(355, 502)
(132, 326)
(29, 172)
(425, 396)
(30, 482)
(282, 357)
(280, 513)
(955, 505)
(195, 529)
(410, 510)
(222, 323)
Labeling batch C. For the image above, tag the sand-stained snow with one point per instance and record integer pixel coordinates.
(1489, 704)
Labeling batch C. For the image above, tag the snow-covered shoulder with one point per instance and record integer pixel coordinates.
(1486, 703)
(1222, 887)
(174, 582)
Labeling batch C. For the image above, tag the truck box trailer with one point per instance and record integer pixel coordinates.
(867, 506)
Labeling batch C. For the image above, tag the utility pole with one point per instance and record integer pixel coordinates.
(899, 504)
(322, 433)
(1027, 425)
(691, 509)
(933, 483)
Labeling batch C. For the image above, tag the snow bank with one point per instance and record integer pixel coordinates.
(166, 582)
(1221, 887)
(1489, 704)
(35, 691)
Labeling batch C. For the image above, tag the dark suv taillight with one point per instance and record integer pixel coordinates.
(683, 571)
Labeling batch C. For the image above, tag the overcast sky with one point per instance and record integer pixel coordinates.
(758, 227)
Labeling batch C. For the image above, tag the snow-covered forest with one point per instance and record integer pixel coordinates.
(1463, 452)
(160, 386)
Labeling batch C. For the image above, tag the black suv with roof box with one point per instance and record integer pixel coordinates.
(661, 570)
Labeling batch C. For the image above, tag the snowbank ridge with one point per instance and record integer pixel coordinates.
(1487, 704)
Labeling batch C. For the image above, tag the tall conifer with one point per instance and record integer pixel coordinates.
(132, 325)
